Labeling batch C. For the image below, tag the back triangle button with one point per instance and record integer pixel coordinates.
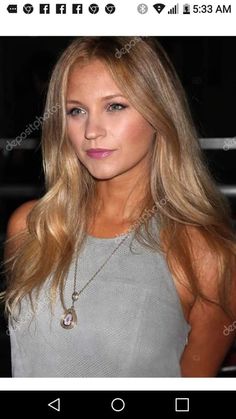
(55, 404)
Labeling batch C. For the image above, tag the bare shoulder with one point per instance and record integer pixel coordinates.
(17, 220)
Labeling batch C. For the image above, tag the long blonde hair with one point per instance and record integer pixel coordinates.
(178, 174)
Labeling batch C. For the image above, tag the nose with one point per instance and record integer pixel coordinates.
(94, 127)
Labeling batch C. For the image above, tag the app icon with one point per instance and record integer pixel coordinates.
(44, 8)
(61, 8)
(110, 8)
(77, 8)
(28, 8)
(12, 8)
(93, 8)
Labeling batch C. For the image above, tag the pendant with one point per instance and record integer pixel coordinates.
(69, 319)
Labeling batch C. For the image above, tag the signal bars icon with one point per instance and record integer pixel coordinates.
(174, 10)
(159, 7)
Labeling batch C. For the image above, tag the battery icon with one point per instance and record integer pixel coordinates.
(186, 9)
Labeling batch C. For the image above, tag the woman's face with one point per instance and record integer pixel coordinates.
(99, 116)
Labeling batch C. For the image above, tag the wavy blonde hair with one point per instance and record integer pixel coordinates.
(178, 173)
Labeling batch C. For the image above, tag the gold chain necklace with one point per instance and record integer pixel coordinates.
(69, 317)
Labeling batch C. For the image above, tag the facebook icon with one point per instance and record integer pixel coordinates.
(61, 8)
(77, 8)
(44, 8)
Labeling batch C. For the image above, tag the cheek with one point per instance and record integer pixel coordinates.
(137, 134)
(75, 133)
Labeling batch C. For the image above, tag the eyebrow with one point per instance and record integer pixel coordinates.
(103, 98)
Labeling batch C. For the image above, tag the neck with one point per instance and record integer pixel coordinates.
(121, 198)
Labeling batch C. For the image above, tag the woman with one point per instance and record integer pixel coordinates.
(126, 266)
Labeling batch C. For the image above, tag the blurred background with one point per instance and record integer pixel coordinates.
(207, 69)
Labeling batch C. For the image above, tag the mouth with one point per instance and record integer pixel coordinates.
(99, 153)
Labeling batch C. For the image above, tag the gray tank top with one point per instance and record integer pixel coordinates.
(130, 319)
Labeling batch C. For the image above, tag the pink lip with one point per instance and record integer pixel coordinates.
(96, 153)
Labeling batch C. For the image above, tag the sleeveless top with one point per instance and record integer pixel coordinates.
(130, 319)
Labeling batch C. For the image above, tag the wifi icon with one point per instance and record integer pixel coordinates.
(159, 7)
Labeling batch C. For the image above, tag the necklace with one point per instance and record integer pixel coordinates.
(69, 317)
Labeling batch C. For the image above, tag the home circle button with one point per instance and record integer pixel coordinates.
(118, 404)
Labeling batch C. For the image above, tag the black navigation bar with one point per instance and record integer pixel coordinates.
(125, 404)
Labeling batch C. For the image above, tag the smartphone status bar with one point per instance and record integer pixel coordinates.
(114, 18)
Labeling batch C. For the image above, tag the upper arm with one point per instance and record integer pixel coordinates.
(207, 343)
(16, 224)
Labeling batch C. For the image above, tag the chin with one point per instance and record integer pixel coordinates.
(103, 174)
(103, 177)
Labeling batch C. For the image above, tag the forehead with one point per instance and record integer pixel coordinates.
(89, 75)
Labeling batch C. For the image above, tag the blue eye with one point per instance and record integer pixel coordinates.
(74, 111)
(117, 107)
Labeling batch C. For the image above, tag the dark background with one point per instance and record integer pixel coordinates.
(207, 69)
